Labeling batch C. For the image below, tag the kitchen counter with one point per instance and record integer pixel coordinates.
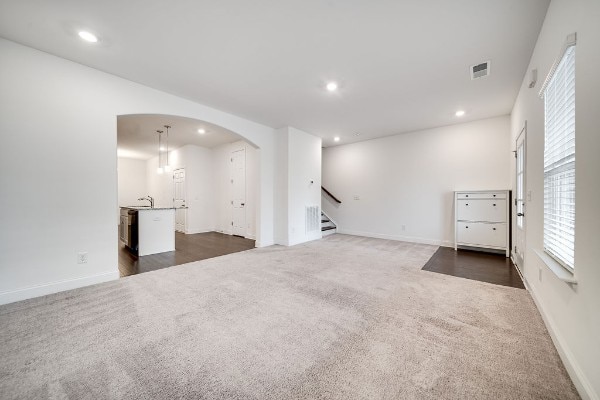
(155, 228)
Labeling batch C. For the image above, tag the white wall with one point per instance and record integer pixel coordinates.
(572, 313)
(59, 164)
(281, 186)
(409, 179)
(298, 163)
(160, 186)
(199, 186)
(131, 175)
(199, 194)
(304, 183)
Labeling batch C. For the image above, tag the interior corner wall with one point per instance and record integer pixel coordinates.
(304, 184)
(401, 187)
(298, 184)
(60, 166)
(571, 313)
(281, 186)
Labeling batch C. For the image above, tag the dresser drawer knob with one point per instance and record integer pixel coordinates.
(494, 228)
(466, 204)
(467, 227)
(494, 205)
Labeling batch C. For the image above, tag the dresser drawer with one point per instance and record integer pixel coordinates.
(480, 195)
(481, 210)
(481, 234)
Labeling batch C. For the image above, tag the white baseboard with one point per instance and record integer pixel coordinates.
(263, 244)
(411, 239)
(192, 231)
(55, 287)
(582, 384)
(309, 238)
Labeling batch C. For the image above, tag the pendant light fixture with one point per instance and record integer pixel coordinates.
(160, 168)
(167, 167)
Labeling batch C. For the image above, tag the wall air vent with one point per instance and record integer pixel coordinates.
(480, 70)
(313, 219)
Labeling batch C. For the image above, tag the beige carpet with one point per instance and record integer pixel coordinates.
(340, 318)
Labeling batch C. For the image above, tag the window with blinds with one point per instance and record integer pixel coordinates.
(559, 160)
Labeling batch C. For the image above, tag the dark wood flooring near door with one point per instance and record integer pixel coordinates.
(479, 266)
(188, 248)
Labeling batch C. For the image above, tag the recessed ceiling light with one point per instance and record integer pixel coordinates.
(161, 148)
(460, 113)
(332, 86)
(336, 139)
(201, 131)
(88, 37)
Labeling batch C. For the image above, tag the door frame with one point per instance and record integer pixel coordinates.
(519, 260)
(232, 192)
(184, 207)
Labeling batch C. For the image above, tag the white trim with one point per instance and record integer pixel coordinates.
(199, 230)
(435, 242)
(258, 244)
(582, 384)
(557, 268)
(518, 268)
(55, 287)
(570, 41)
(513, 217)
(329, 218)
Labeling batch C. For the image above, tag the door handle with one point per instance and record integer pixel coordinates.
(242, 204)
(520, 215)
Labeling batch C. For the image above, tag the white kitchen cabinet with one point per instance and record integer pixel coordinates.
(482, 219)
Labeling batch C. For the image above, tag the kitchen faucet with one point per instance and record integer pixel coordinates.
(148, 198)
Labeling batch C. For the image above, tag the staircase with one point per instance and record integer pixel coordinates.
(327, 225)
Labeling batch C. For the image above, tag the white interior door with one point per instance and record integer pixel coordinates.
(179, 199)
(520, 194)
(238, 191)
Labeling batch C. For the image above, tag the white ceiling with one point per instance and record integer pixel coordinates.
(401, 65)
(137, 136)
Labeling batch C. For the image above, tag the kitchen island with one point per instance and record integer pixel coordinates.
(148, 230)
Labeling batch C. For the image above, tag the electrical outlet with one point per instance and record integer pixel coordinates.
(540, 273)
(403, 227)
(82, 257)
(356, 197)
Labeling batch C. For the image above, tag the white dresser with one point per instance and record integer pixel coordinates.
(482, 219)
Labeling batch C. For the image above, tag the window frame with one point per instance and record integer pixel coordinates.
(571, 42)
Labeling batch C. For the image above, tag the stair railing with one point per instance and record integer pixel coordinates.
(331, 195)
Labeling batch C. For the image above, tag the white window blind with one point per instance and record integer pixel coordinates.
(559, 160)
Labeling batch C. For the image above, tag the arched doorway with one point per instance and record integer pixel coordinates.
(208, 174)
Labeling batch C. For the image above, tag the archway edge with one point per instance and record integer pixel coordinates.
(200, 121)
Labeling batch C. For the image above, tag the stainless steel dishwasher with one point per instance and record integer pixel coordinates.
(128, 228)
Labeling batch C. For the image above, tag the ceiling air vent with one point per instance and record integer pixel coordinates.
(480, 70)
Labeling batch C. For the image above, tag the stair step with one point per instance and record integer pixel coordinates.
(327, 228)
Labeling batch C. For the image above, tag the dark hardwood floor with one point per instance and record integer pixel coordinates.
(188, 248)
(479, 266)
